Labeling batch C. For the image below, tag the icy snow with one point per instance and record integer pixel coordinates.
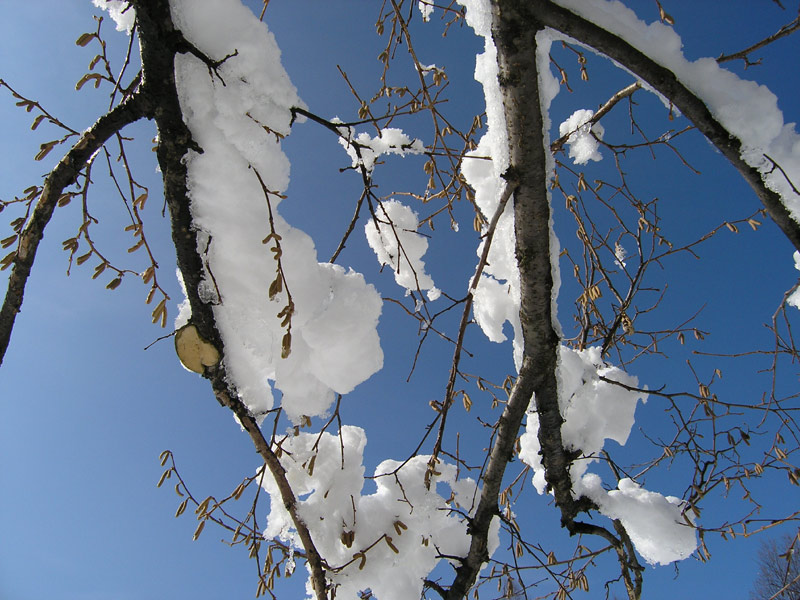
(426, 8)
(794, 297)
(594, 411)
(656, 524)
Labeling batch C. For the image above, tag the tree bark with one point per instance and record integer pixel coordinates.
(514, 32)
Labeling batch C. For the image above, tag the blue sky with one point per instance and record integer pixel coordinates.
(86, 411)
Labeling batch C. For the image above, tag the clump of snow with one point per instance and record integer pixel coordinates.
(595, 410)
(794, 297)
(393, 236)
(334, 342)
(364, 149)
(120, 11)
(659, 528)
(413, 525)
(496, 299)
(583, 136)
(620, 254)
(497, 296)
(426, 8)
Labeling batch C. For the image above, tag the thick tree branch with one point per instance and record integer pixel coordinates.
(665, 82)
(65, 173)
(160, 42)
(514, 30)
(514, 33)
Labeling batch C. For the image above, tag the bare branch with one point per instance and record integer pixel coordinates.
(666, 83)
(65, 174)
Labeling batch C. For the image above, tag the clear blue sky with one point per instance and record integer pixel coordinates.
(85, 412)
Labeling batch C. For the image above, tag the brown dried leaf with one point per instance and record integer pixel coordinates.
(84, 39)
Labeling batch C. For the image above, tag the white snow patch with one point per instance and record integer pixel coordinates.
(656, 524)
(419, 522)
(232, 216)
(583, 137)
(595, 410)
(426, 8)
(393, 237)
(794, 297)
(364, 149)
(120, 11)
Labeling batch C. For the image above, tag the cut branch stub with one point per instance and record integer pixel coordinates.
(195, 352)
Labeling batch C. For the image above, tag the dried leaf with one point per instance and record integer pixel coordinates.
(140, 200)
(160, 312)
(164, 476)
(276, 287)
(84, 39)
(82, 81)
(37, 121)
(45, 149)
(199, 530)
(286, 345)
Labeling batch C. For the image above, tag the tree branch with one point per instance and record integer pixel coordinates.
(785, 30)
(666, 83)
(514, 33)
(64, 174)
(160, 42)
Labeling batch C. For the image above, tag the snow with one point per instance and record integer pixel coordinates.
(583, 137)
(335, 345)
(239, 125)
(496, 299)
(364, 149)
(393, 236)
(412, 525)
(120, 12)
(747, 110)
(595, 410)
(620, 254)
(794, 297)
(426, 9)
(659, 528)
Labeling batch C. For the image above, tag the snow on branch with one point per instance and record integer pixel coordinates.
(364, 149)
(387, 541)
(739, 117)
